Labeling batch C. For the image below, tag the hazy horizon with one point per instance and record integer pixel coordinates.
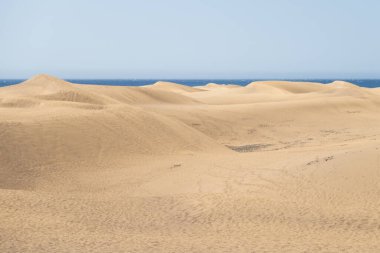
(190, 78)
(291, 39)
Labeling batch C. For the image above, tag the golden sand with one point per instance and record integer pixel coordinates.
(270, 167)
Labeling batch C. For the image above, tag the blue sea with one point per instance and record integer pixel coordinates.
(370, 83)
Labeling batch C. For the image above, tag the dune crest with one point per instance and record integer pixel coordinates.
(293, 87)
(218, 86)
(173, 87)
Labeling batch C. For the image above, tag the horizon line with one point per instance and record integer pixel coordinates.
(210, 78)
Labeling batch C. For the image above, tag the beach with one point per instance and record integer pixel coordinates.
(273, 166)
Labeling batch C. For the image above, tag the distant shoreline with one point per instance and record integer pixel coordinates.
(368, 83)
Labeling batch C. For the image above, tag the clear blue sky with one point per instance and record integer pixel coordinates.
(190, 39)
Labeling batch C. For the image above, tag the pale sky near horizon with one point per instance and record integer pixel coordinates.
(190, 39)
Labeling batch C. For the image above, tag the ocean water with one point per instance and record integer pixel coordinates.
(370, 83)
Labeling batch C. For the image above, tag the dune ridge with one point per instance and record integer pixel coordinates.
(273, 166)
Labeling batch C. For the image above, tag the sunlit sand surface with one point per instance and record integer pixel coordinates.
(270, 167)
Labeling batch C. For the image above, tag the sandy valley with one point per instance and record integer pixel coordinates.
(269, 167)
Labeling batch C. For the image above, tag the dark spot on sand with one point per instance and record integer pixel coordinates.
(248, 148)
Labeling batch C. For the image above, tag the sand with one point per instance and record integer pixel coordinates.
(270, 167)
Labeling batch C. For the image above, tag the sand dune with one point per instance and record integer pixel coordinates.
(211, 86)
(270, 167)
(68, 127)
(292, 87)
(173, 87)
